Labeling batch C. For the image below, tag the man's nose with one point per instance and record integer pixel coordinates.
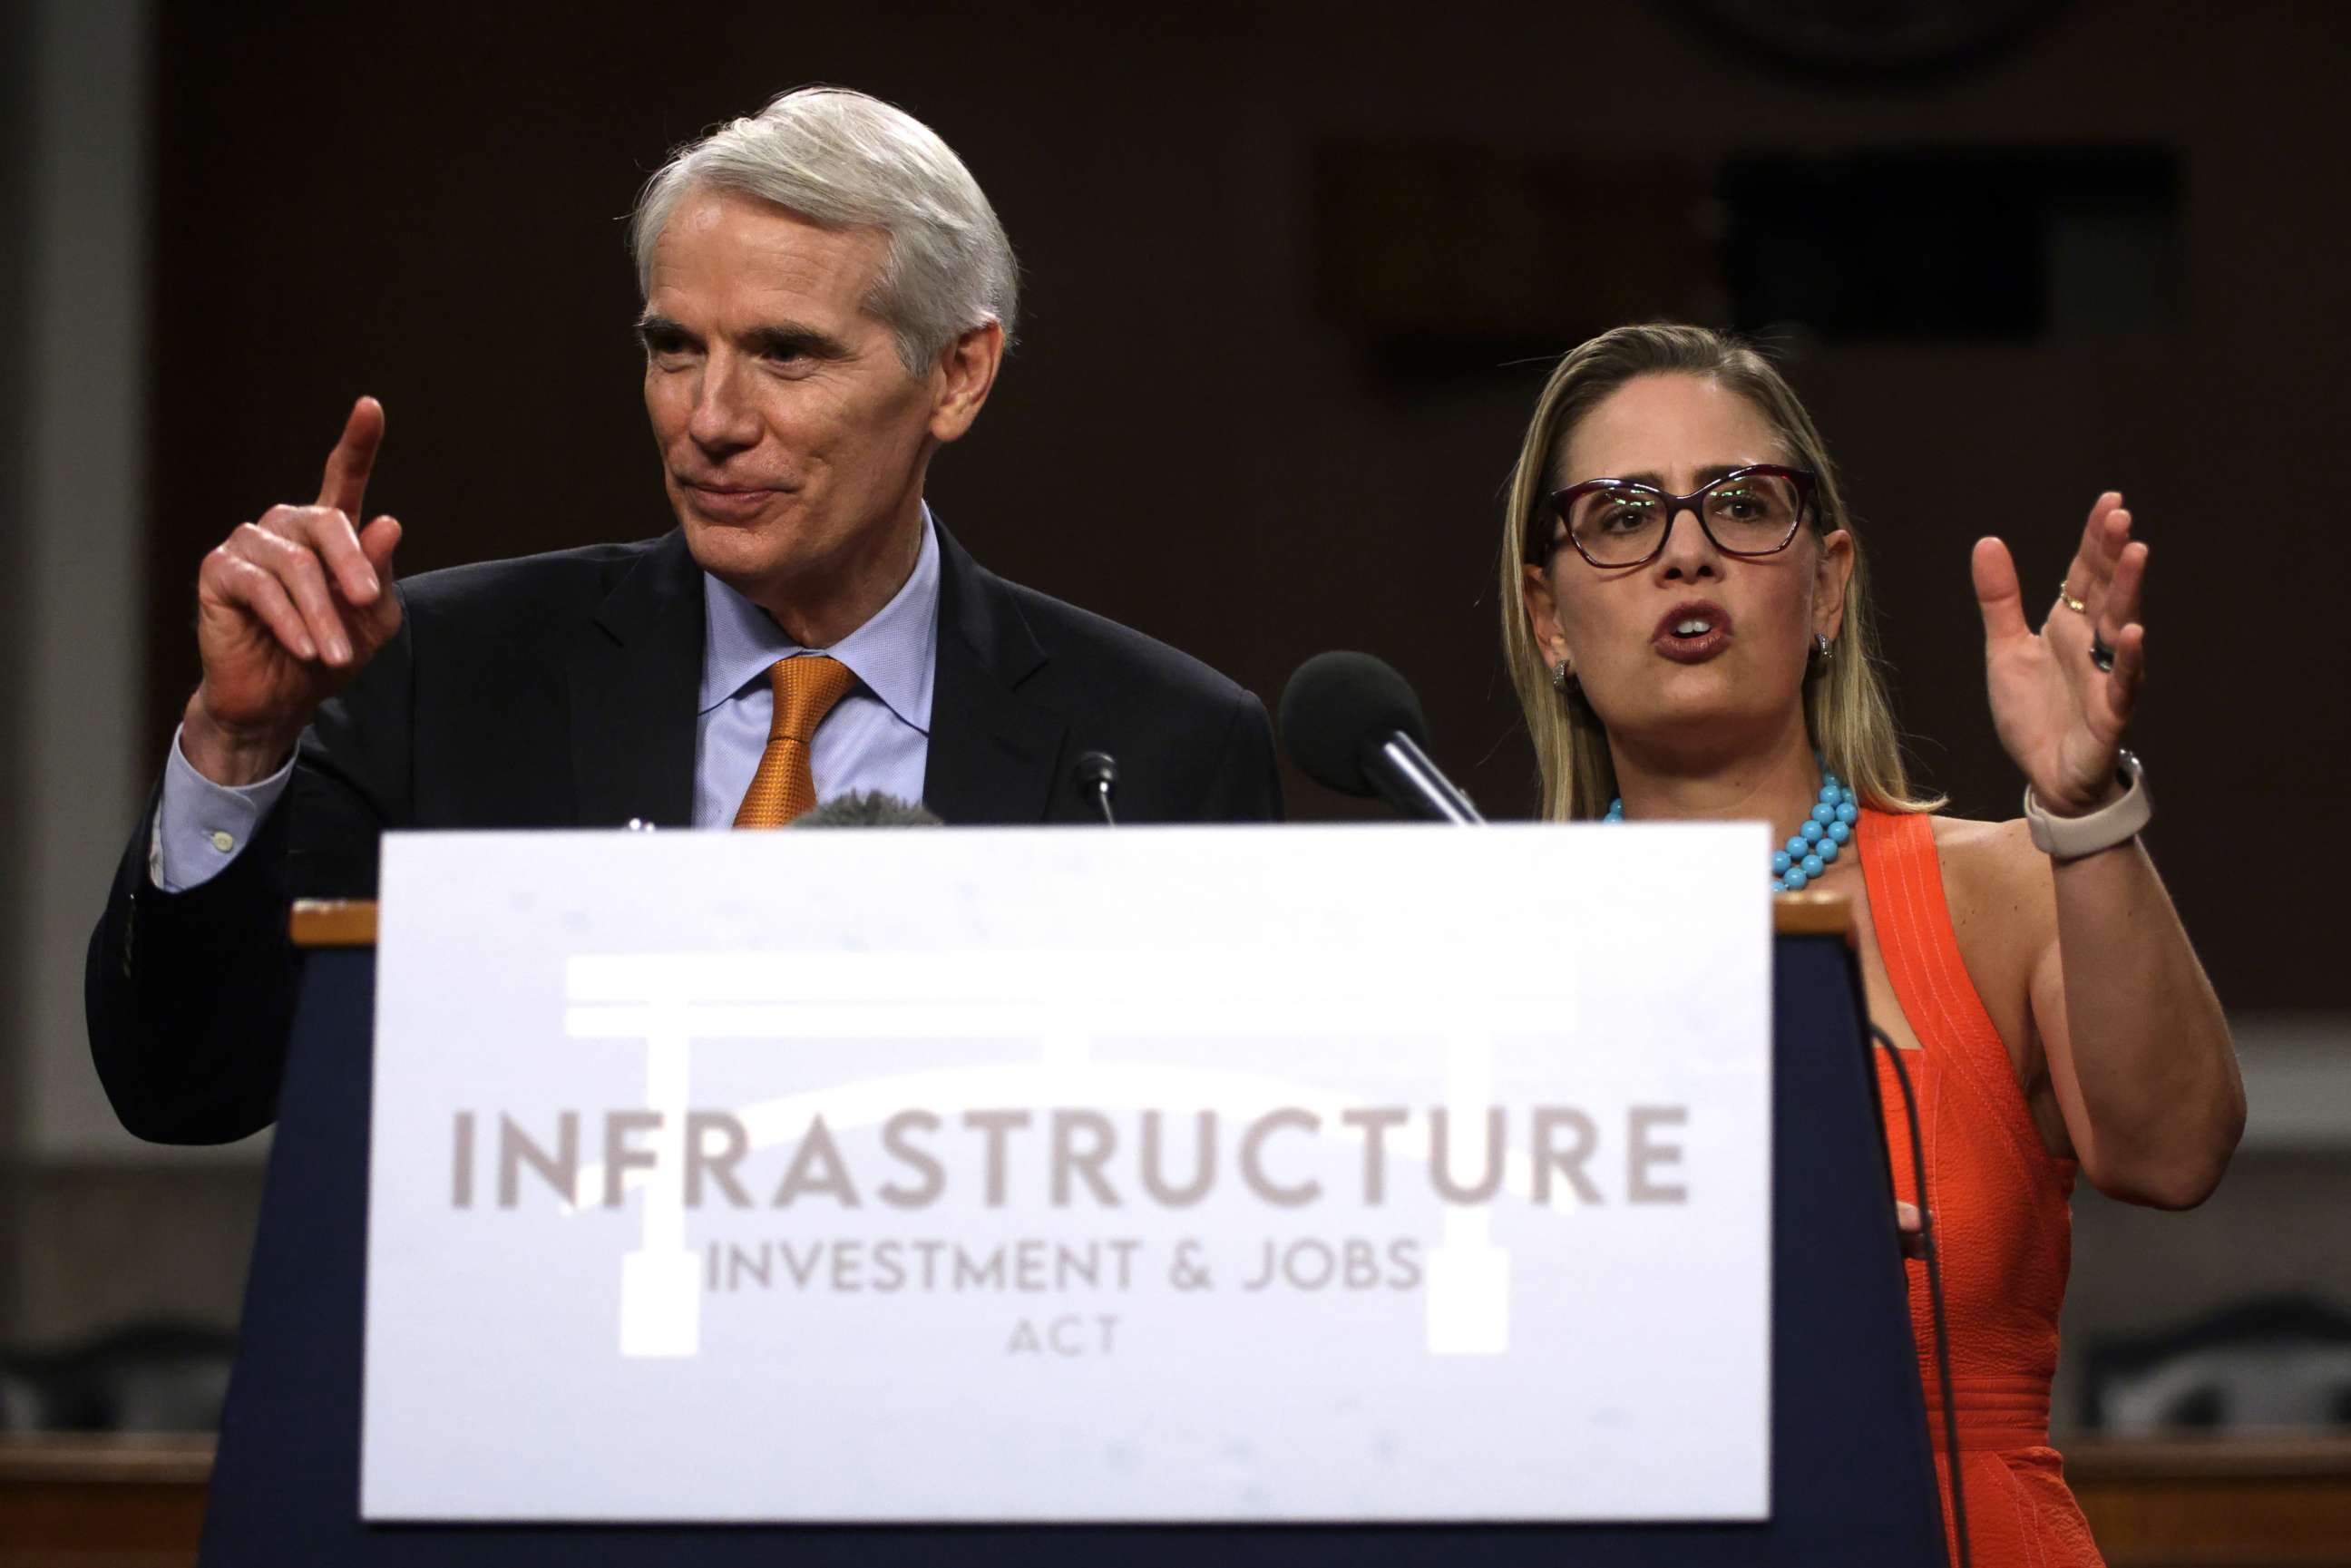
(724, 418)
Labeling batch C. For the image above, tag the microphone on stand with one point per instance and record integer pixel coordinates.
(1352, 723)
(1096, 775)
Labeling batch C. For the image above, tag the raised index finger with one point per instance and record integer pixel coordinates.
(344, 486)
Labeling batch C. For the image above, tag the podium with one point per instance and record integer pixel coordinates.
(1851, 1475)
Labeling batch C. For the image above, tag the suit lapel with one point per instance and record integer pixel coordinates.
(994, 753)
(636, 681)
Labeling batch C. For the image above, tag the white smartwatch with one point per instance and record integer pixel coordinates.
(2071, 838)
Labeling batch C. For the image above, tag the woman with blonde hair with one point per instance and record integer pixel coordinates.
(1686, 617)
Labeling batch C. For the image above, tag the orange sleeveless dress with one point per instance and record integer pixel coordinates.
(2003, 1226)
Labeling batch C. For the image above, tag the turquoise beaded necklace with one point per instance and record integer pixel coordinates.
(1807, 853)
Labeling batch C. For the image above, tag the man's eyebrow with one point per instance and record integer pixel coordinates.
(782, 339)
(786, 340)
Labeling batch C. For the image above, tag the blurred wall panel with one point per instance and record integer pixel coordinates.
(82, 535)
(1547, 251)
(16, 397)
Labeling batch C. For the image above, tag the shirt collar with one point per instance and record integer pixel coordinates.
(893, 655)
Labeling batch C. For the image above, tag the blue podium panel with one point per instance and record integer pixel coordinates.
(1852, 1480)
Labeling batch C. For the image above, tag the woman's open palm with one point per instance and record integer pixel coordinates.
(2061, 716)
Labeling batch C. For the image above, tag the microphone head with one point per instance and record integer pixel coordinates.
(1338, 708)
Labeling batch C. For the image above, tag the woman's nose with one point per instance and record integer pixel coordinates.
(1688, 551)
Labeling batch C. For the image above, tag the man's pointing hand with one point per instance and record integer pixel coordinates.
(289, 608)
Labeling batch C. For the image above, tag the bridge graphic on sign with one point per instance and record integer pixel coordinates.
(1047, 1006)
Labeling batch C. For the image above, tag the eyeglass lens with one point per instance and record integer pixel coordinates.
(1750, 514)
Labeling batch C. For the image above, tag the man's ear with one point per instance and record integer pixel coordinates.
(1830, 575)
(962, 379)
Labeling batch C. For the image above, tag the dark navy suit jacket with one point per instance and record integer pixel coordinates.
(559, 691)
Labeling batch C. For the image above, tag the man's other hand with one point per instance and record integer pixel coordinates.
(289, 608)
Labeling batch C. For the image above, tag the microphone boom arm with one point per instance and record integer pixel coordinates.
(1415, 786)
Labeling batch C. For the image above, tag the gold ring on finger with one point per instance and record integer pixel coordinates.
(2065, 596)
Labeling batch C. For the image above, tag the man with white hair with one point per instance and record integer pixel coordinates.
(827, 296)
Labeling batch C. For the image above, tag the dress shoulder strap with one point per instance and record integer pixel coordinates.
(1930, 980)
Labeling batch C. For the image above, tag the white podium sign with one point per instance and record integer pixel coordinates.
(1327, 1174)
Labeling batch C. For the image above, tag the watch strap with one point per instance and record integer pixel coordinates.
(2116, 822)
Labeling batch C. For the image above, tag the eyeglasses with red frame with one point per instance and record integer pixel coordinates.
(1619, 523)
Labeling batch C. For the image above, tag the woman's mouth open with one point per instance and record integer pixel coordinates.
(1692, 633)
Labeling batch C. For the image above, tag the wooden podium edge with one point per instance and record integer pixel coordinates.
(333, 923)
(352, 922)
(1811, 914)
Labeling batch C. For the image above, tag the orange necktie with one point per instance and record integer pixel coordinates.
(806, 688)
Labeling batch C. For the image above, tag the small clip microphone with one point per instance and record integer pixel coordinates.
(1096, 773)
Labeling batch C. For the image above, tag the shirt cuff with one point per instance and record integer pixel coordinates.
(201, 826)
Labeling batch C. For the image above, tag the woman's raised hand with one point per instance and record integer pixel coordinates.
(289, 608)
(2059, 714)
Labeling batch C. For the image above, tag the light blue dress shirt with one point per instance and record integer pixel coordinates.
(876, 737)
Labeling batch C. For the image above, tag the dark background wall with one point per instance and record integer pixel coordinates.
(1292, 276)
